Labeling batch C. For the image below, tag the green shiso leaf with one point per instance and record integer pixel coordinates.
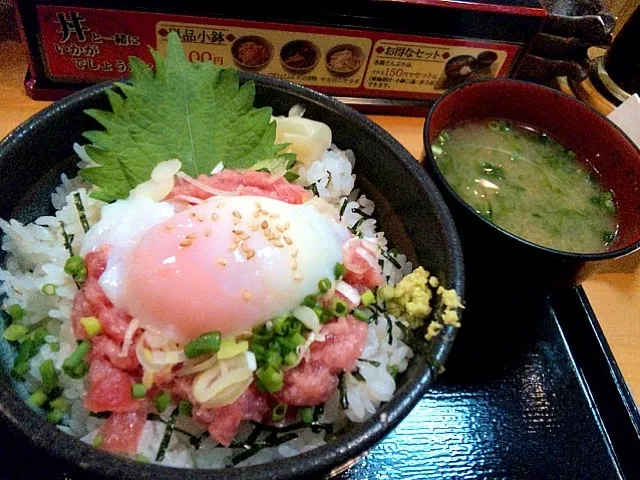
(195, 112)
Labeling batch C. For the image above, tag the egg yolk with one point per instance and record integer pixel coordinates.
(228, 264)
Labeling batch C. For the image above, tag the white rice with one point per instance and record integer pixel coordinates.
(36, 256)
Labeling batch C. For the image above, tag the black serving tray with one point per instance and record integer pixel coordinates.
(531, 391)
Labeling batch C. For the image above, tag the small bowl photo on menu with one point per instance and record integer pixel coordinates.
(299, 56)
(344, 60)
(251, 52)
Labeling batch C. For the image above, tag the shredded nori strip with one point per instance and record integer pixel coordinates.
(389, 329)
(168, 431)
(68, 239)
(343, 207)
(314, 188)
(342, 385)
(81, 214)
(370, 362)
(387, 254)
(270, 441)
(362, 213)
(356, 225)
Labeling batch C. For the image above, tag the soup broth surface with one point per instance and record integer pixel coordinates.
(528, 184)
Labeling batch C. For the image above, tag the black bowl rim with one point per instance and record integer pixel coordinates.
(337, 456)
(608, 255)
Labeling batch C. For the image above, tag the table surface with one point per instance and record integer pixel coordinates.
(614, 295)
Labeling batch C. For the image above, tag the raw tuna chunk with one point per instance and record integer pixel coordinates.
(313, 381)
(104, 347)
(261, 184)
(223, 422)
(360, 260)
(110, 389)
(121, 432)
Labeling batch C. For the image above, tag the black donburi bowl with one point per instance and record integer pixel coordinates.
(410, 210)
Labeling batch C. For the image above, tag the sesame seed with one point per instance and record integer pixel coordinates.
(215, 217)
(237, 231)
(199, 217)
(256, 214)
(270, 237)
(264, 212)
(288, 240)
(236, 214)
(280, 228)
(294, 254)
(274, 215)
(233, 246)
(255, 227)
(221, 261)
(258, 205)
(294, 264)
(236, 239)
(246, 294)
(277, 236)
(298, 278)
(244, 236)
(286, 226)
(191, 235)
(207, 232)
(245, 247)
(277, 243)
(251, 254)
(220, 205)
(185, 243)
(236, 221)
(267, 231)
(264, 224)
(170, 227)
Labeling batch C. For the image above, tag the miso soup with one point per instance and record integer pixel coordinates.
(528, 184)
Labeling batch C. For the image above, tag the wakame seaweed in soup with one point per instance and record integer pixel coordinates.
(528, 184)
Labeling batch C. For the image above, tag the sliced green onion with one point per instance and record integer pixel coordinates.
(55, 347)
(295, 326)
(385, 293)
(297, 339)
(310, 301)
(38, 335)
(306, 414)
(324, 285)
(281, 325)
(49, 376)
(185, 408)
(55, 416)
(16, 312)
(15, 332)
(286, 344)
(339, 307)
(367, 298)
(205, 343)
(38, 398)
(393, 370)
(493, 125)
(271, 378)
(61, 404)
(161, 401)
(91, 325)
(274, 359)
(362, 314)
(20, 369)
(138, 390)
(436, 150)
(339, 270)
(141, 458)
(98, 440)
(290, 359)
(76, 267)
(74, 365)
(49, 289)
(279, 412)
